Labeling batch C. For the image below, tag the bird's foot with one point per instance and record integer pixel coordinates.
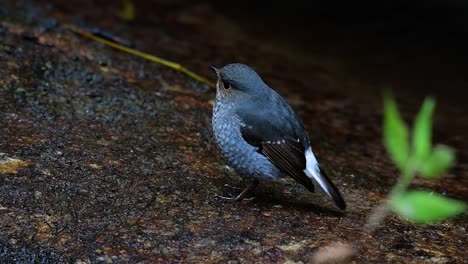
(241, 196)
(236, 198)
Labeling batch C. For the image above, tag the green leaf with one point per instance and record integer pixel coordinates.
(395, 134)
(440, 160)
(422, 131)
(424, 207)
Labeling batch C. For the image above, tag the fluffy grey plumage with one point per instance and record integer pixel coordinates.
(260, 134)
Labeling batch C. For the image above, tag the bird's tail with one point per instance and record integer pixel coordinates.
(316, 172)
(331, 190)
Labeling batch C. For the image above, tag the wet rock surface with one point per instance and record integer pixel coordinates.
(114, 157)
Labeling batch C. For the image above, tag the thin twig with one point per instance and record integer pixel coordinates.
(140, 54)
(376, 217)
(379, 213)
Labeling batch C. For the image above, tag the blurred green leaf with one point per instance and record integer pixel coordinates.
(440, 160)
(424, 207)
(422, 131)
(127, 10)
(395, 134)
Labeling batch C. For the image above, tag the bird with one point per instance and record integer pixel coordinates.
(261, 136)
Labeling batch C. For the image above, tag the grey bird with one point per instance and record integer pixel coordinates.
(261, 136)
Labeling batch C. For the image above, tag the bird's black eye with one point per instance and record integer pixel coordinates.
(226, 84)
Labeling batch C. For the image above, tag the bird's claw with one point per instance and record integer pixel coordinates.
(234, 197)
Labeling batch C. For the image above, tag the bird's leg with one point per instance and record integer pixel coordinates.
(248, 189)
(241, 195)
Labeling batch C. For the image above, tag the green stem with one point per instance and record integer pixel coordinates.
(400, 187)
(405, 179)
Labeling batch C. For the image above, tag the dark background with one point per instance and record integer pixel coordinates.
(424, 41)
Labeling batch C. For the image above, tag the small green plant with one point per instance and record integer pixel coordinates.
(414, 155)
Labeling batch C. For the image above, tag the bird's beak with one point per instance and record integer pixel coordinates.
(215, 70)
(218, 78)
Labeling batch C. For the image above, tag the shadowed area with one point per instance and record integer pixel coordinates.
(111, 158)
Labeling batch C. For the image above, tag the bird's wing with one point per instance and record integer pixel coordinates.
(286, 154)
(278, 139)
(281, 138)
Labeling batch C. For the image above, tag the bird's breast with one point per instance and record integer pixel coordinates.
(242, 156)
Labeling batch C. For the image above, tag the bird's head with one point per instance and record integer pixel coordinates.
(238, 79)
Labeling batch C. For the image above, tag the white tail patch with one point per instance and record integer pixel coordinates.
(312, 170)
